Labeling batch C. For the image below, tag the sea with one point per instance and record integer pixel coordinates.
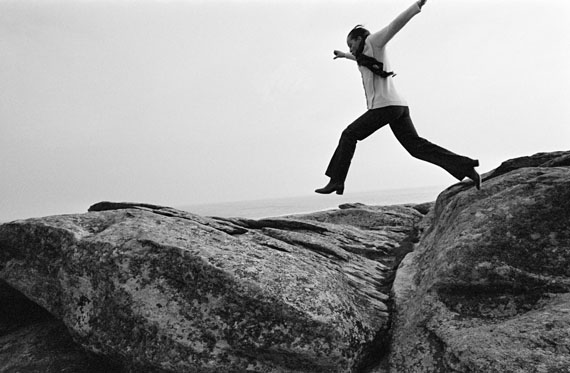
(263, 208)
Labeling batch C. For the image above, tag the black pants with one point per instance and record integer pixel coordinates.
(401, 124)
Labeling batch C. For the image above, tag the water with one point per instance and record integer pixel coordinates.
(303, 204)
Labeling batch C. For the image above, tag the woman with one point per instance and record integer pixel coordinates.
(386, 106)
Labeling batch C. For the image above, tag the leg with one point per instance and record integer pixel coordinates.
(361, 128)
(457, 165)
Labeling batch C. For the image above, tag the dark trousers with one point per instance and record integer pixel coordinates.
(401, 124)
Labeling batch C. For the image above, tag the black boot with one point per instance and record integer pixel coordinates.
(473, 175)
(332, 186)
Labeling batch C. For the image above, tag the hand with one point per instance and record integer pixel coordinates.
(421, 3)
(338, 54)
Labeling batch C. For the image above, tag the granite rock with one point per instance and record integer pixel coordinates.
(131, 287)
(163, 290)
(32, 340)
(487, 289)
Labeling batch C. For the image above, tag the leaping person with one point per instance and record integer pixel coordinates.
(386, 106)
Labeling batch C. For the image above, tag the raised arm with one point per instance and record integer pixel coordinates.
(383, 36)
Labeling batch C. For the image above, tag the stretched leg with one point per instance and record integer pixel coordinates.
(361, 128)
(457, 165)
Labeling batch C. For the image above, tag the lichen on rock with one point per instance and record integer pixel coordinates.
(488, 287)
(484, 285)
(158, 288)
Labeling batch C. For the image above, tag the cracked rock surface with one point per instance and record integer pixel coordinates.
(163, 290)
(487, 289)
(484, 285)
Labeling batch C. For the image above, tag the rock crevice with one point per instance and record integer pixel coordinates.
(478, 281)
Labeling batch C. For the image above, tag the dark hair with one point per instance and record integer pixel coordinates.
(371, 63)
(357, 31)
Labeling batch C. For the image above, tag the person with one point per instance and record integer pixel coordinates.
(386, 106)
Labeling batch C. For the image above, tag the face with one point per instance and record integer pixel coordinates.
(353, 44)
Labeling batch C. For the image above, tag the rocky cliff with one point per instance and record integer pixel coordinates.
(133, 287)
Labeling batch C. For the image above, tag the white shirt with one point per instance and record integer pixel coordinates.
(381, 92)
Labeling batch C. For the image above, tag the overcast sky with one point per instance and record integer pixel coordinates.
(182, 102)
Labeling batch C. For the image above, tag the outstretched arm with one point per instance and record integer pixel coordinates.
(340, 54)
(383, 36)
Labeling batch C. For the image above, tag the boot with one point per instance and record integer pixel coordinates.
(473, 175)
(332, 186)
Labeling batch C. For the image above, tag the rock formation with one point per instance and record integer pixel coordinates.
(158, 289)
(487, 289)
(484, 285)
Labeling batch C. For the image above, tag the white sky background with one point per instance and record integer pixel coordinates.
(181, 102)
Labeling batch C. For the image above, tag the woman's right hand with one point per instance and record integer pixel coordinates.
(339, 54)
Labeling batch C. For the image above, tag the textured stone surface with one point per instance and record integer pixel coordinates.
(147, 288)
(31, 340)
(157, 288)
(488, 287)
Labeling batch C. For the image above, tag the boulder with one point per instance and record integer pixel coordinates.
(487, 288)
(163, 290)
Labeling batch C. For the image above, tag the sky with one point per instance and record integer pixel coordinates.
(185, 102)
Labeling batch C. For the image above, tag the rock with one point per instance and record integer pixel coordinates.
(487, 288)
(31, 340)
(386, 218)
(159, 289)
(130, 287)
(397, 228)
(552, 159)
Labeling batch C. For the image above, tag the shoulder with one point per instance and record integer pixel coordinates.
(375, 45)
